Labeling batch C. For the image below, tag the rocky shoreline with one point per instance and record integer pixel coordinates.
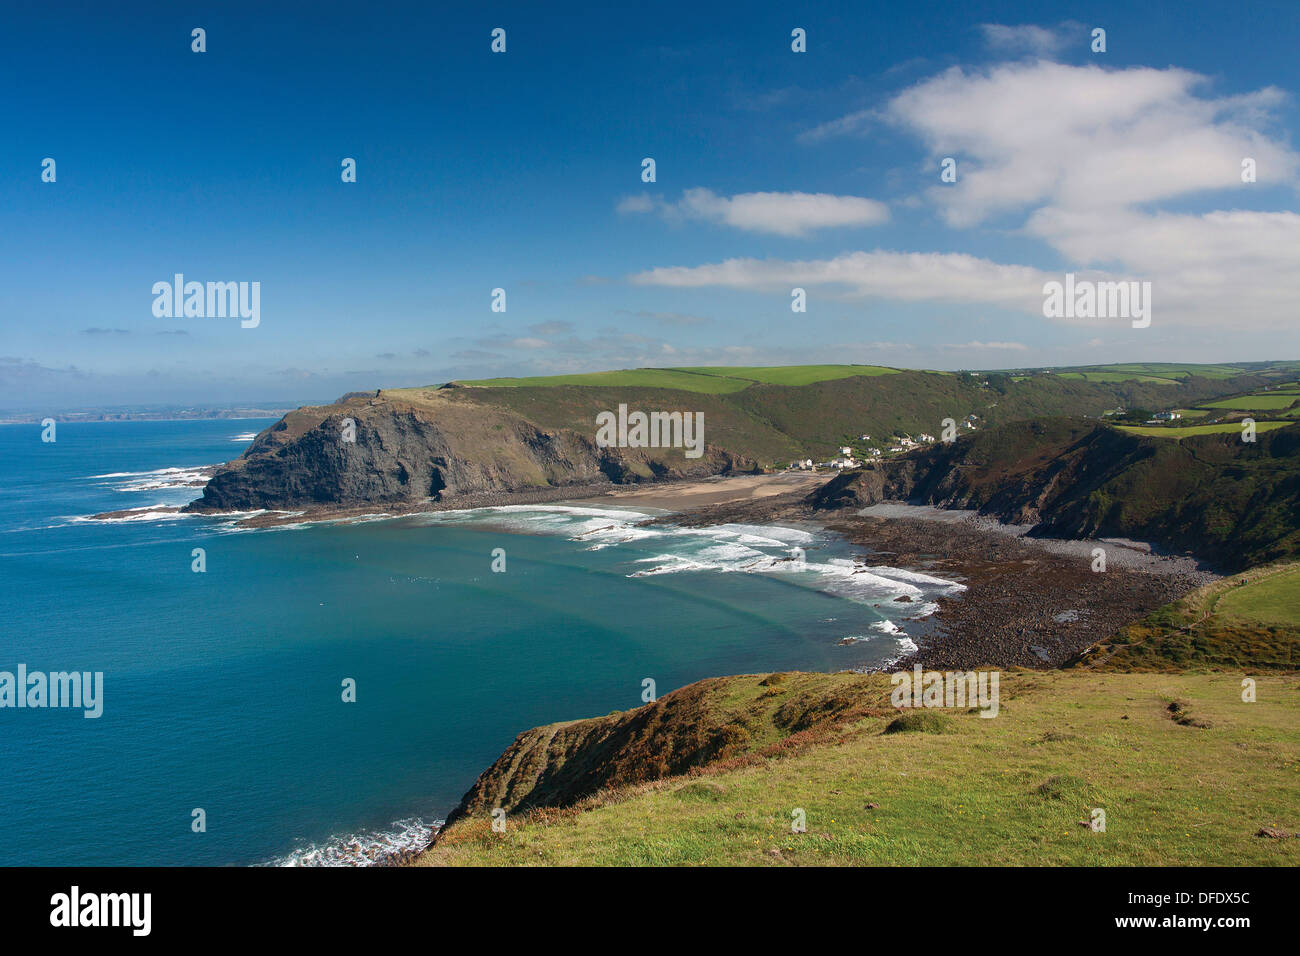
(1030, 602)
(272, 519)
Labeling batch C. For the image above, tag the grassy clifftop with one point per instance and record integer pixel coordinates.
(1249, 621)
(1186, 771)
(774, 415)
(405, 446)
(725, 720)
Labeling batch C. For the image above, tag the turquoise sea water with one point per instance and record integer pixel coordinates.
(222, 689)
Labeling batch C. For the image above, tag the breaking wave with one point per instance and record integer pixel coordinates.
(159, 479)
(400, 842)
(726, 548)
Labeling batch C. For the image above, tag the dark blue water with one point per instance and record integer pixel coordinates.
(222, 690)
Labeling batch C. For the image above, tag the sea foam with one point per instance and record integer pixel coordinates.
(397, 844)
(724, 549)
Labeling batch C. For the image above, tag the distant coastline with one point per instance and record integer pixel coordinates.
(145, 414)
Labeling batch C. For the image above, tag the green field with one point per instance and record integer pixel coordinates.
(1118, 377)
(1274, 600)
(632, 377)
(1172, 373)
(1178, 370)
(1267, 401)
(1186, 772)
(723, 379)
(790, 374)
(1183, 431)
(715, 380)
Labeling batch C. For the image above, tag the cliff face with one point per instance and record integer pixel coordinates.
(405, 453)
(1020, 473)
(719, 719)
(414, 444)
(1230, 502)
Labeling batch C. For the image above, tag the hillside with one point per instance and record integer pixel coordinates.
(1018, 789)
(1247, 622)
(417, 444)
(1232, 503)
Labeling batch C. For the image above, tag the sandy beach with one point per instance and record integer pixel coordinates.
(685, 495)
(689, 495)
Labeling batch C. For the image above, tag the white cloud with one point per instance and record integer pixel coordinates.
(1086, 157)
(632, 204)
(1046, 133)
(1035, 40)
(791, 214)
(502, 341)
(1234, 269)
(905, 276)
(857, 122)
(1000, 346)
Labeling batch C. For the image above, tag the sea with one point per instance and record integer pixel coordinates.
(323, 693)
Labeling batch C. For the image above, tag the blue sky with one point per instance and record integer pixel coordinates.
(522, 171)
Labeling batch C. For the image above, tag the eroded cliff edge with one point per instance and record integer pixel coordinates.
(374, 449)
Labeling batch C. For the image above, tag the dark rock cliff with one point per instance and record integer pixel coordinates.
(405, 453)
(1020, 473)
(717, 719)
(1232, 503)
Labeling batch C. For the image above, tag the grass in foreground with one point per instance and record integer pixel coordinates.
(1190, 785)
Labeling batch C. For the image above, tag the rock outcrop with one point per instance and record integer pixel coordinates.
(371, 450)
